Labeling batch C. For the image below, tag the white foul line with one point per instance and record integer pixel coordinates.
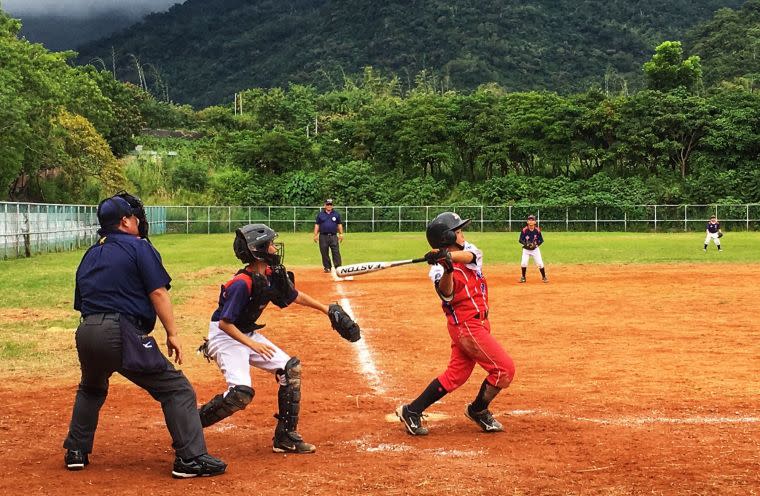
(363, 353)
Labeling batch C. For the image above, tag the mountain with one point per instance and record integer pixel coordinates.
(60, 33)
(205, 50)
(729, 44)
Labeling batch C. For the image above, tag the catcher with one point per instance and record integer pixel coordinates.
(712, 231)
(531, 239)
(235, 343)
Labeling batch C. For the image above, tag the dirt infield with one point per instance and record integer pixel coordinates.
(630, 380)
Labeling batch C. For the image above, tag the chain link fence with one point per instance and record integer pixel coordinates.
(29, 228)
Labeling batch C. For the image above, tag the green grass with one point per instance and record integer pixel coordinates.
(47, 281)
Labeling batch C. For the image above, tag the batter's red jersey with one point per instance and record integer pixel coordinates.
(470, 298)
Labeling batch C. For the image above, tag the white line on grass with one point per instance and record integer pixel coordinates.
(363, 353)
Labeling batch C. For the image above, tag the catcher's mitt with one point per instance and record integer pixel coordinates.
(530, 246)
(720, 234)
(345, 325)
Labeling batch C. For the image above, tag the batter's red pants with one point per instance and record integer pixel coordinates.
(471, 343)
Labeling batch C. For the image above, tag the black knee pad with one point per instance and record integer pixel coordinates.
(221, 406)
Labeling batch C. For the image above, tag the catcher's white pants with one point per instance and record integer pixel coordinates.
(714, 237)
(536, 254)
(235, 358)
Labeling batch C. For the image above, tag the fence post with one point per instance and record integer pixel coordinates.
(510, 219)
(229, 219)
(346, 226)
(685, 207)
(208, 220)
(373, 219)
(655, 218)
(427, 214)
(294, 218)
(249, 214)
(187, 219)
(269, 215)
(625, 221)
(18, 229)
(481, 218)
(596, 219)
(399, 218)
(567, 219)
(747, 217)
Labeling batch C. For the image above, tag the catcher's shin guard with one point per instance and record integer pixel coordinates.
(221, 406)
(286, 439)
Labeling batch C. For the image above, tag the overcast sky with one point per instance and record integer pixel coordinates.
(84, 8)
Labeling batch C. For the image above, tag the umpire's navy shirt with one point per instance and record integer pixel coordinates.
(118, 276)
(328, 223)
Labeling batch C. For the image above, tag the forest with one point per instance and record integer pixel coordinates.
(203, 51)
(69, 134)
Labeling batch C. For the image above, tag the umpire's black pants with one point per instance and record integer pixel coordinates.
(329, 241)
(98, 341)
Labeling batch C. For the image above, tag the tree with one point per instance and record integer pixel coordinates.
(668, 70)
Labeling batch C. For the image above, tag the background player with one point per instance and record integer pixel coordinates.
(457, 274)
(530, 239)
(235, 343)
(713, 232)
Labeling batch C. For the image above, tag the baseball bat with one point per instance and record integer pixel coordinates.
(358, 269)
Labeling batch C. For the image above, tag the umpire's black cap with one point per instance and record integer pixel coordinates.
(112, 210)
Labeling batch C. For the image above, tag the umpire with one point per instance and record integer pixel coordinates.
(328, 231)
(121, 286)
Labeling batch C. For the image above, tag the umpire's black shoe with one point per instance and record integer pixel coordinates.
(201, 466)
(412, 421)
(484, 420)
(76, 459)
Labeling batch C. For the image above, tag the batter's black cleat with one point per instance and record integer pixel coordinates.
(545, 279)
(76, 460)
(522, 279)
(412, 421)
(484, 420)
(291, 442)
(201, 466)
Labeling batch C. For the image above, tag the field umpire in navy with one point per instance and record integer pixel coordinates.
(121, 286)
(328, 231)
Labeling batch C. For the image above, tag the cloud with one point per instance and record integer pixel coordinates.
(84, 8)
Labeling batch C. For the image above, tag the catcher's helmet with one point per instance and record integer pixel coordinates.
(441, 231)
(252, 243)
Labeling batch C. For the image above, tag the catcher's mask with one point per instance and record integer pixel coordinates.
(441, 231)
(122, 204)
(252, 243)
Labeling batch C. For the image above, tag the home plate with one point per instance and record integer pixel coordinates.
(432, 417)
(336, 278)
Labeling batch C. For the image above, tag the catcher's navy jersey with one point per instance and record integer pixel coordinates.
(531, 236)
(117, 275)
(713, 228)
(235, 295)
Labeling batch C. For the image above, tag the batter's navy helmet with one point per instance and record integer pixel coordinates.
(441, 231)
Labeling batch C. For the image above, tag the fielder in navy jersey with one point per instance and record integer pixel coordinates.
(713, 232)
(530, 239)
